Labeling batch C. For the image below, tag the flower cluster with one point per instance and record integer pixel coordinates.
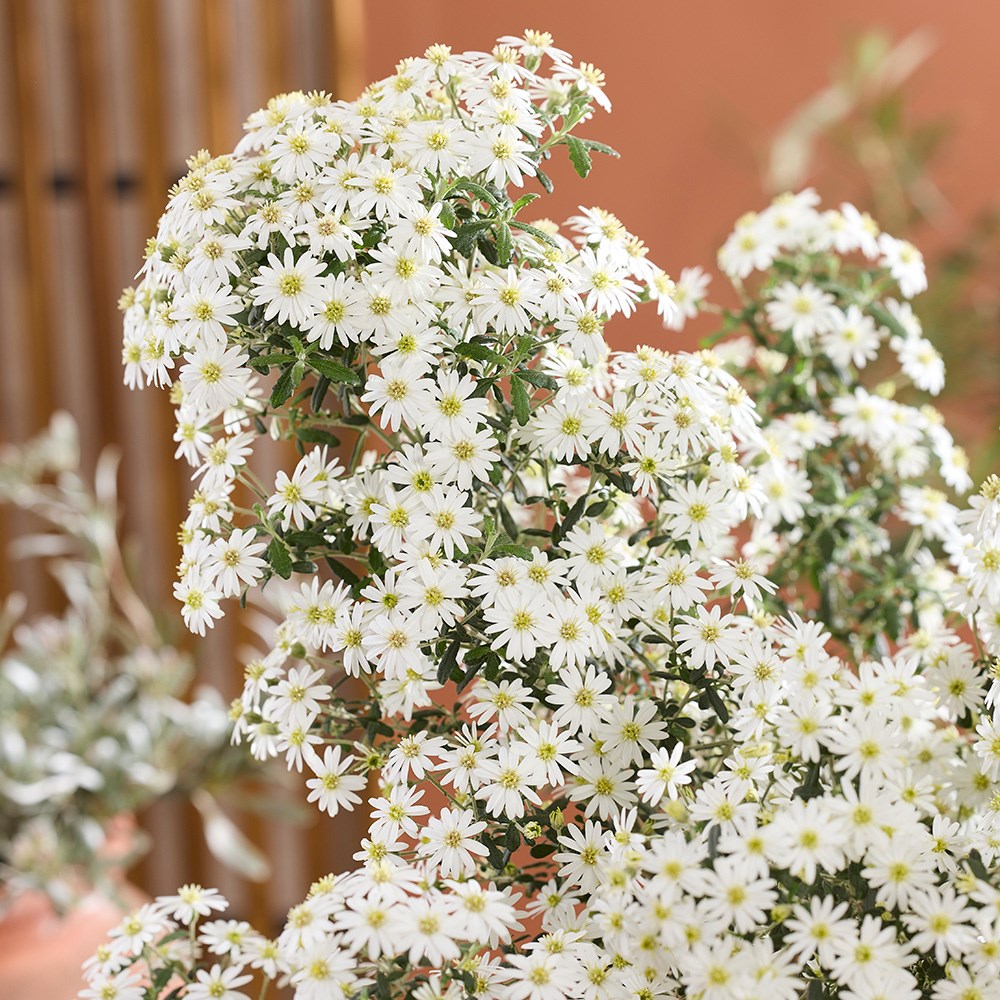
(863, 463)
(150, 933)
(93, 719)
(605, 631)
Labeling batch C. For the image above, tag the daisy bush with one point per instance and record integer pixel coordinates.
(656, 674)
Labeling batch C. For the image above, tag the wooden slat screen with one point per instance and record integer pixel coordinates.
(101, 102)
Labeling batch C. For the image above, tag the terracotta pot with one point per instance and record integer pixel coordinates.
(41, 952)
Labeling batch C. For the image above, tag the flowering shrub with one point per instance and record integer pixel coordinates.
(661, 694)
(92, 715)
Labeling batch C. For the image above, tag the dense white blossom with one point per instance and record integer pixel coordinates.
(675, 635)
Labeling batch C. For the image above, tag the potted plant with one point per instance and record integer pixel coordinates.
(662, 662)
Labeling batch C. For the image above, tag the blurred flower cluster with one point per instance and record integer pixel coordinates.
(654, 667)
(93, 721)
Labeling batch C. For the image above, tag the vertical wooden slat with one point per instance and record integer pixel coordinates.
(33, 262)
(32, 166)
(273, 19)
(221, 126)
(154, 173)
(347, 48)
(95, 171)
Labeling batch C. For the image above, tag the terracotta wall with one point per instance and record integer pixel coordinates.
(699, 88)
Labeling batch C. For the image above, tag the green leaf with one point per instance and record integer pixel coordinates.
(305, 539)
(279, 558)
(447, 216)
(477, 189)
(509, 524)
(975, 862)
(319, 393)
(333, 371)
(523, 202)
(264, 361)
(538, 379)
(718, 705)
(470, 671)
(466, 235)
(160, 979)
(505, 244)
(488, 249)
(349, 577)
(882, 315)
(479, 352)
(545, 181)
(579, 155)
(449, 660)
(574, 515)
(543, 850)
(287, 383)
(316, 435)
(518, 551)
(539, 234)
(520, 401)
(372, 237)
(600, 147)
(482, 387)
(477, 655)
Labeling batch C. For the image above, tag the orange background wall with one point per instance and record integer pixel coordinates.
(699, 88)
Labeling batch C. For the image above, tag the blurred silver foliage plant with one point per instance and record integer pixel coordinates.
(94, 725)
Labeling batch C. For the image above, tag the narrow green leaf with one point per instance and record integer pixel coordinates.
(518, 551)
(882, 315)
(482, 387)
(264, 361)
(574, 515)
(520, 401)
(489, 250)
(447, 216)
(505, 244)
(600, 147)
(523, 202)
(479, 352)
(509, 524)
(334, 371)
(545, 181)
(543, 850)
(477, 655)
(287, 383)
(579, 155)
(477, 189)
(349, 577)
(539, 234)
(279, 558)
(466, 235)
(718, 705)
(316, 435)
(449, 660)
(319, 393)
(160, 978)
(538, 379)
